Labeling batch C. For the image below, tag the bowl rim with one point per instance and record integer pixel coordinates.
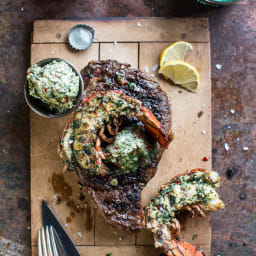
(28, 97)
(217, 2)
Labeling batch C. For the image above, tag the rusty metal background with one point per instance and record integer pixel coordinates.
(233, 40)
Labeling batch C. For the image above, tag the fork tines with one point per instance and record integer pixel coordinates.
(47, 242)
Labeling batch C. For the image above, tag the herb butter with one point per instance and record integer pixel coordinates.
(129, 151)
(55, 84)
(190, 189)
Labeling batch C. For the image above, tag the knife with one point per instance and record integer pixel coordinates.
(50, 220)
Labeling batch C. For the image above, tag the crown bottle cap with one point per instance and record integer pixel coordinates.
(81, 36)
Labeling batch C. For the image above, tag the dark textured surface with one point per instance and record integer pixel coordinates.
(233, 40)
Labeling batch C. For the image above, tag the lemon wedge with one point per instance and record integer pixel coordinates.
(181, 73)
(175, 51)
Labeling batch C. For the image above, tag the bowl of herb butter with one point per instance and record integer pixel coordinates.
(53, 87)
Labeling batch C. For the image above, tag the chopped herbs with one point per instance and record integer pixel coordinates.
(200, 113)
(80, 186)
(194, 237)
(93, 171)
(131, 85)
(172, 199)
(118, 77)
(75, 123)
(120, 103)
(129, 152)
(87, 149)
(114, 182)
(81, 139)
(90, 75)
(72, 137)
(72, 162)
(108, 82)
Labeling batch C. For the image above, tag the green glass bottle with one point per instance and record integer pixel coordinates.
(217, 3)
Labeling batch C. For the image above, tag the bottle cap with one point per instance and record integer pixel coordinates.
(81, 36)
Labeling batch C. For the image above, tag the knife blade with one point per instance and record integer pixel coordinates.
(49, 219)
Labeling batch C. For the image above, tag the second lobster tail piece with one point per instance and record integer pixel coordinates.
(193, 191)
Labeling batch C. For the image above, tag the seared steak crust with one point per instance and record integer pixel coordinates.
(103, 75)
(120, 205)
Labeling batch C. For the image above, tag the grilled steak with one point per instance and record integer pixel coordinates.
(106, 75)
(117, 195)
(121, 207)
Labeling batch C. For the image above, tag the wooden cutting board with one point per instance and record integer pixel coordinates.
(138, 42)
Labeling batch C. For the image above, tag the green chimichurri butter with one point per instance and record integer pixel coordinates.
(129, 151)
(190, 189)
(54, 84)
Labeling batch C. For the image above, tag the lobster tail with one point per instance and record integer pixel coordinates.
(191, 191)
(178, 248)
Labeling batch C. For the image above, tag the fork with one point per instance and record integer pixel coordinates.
(49, 243)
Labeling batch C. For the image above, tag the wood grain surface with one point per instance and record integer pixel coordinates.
(140, 46)
(127, 30)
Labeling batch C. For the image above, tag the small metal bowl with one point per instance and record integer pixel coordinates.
(42, 108)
